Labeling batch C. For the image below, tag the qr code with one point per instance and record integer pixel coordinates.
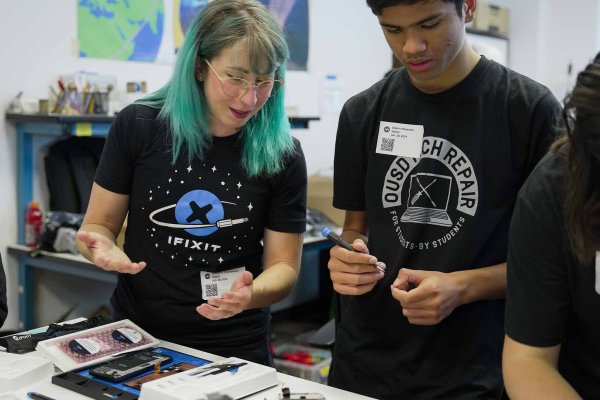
(387, 144)
(211, 290)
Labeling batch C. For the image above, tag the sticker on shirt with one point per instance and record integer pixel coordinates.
(214, 284)
(598, 272)
(400, 140)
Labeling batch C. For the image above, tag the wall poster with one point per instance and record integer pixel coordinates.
(153, 30)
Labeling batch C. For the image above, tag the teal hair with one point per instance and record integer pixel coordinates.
(266, 137)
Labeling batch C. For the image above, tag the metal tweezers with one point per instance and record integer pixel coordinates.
(217, 369)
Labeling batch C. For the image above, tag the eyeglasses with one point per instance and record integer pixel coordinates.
(237, 87)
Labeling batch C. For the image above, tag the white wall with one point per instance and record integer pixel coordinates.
(547, 35)
(560, 48)
(598, 27)
(345, 40)
(525, 34)
(38, 44)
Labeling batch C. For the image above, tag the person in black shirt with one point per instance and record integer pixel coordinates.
(428, 163)
(214, 186)
(3, 302)
(552, 342)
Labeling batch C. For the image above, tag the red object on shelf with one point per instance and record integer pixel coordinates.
(301, 357)
(33, 224)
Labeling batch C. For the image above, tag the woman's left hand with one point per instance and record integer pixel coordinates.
(231, 302)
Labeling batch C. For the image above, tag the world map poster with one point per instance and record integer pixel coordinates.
(153, 30)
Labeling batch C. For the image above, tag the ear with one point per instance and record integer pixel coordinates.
(469, 8)
(199, 71)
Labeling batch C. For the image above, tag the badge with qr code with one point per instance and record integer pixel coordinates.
(214, 284)
(402, 140)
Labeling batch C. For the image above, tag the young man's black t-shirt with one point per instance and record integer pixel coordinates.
(189, 221)
(447, 210)
(552, 298)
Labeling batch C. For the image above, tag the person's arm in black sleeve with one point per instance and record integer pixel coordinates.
(537, 303)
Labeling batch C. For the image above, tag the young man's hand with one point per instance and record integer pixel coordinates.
(353, 272)
(434, 297)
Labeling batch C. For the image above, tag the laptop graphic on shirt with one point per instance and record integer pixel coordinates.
(428, 198)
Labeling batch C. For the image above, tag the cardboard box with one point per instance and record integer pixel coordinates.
(491, 18)
(320, 197)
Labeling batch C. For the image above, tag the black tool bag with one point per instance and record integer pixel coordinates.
(70, 167)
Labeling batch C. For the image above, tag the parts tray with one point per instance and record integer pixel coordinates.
(80, 380)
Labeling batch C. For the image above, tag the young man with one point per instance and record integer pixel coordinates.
(428, 164)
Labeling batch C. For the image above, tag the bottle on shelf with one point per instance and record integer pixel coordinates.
(33, 224)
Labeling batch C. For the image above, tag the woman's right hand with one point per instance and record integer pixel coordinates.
(107, 255)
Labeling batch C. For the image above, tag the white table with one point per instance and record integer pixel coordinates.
(296, 385)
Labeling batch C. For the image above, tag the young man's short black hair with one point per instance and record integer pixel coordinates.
(377, 5)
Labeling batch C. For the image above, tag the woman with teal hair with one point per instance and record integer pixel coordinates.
(214, 189)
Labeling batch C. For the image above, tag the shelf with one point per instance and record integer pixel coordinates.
(59, 118)
(77, 265)
(20, 249)
(63, 263)
(487, 33)
(302, 122)
(296, 122)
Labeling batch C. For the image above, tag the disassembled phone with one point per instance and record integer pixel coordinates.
(129, 365)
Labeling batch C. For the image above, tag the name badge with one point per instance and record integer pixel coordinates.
(402, 140)
(214, 284)
(598, 272)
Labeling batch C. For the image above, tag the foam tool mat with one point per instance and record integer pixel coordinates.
(84, 381)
